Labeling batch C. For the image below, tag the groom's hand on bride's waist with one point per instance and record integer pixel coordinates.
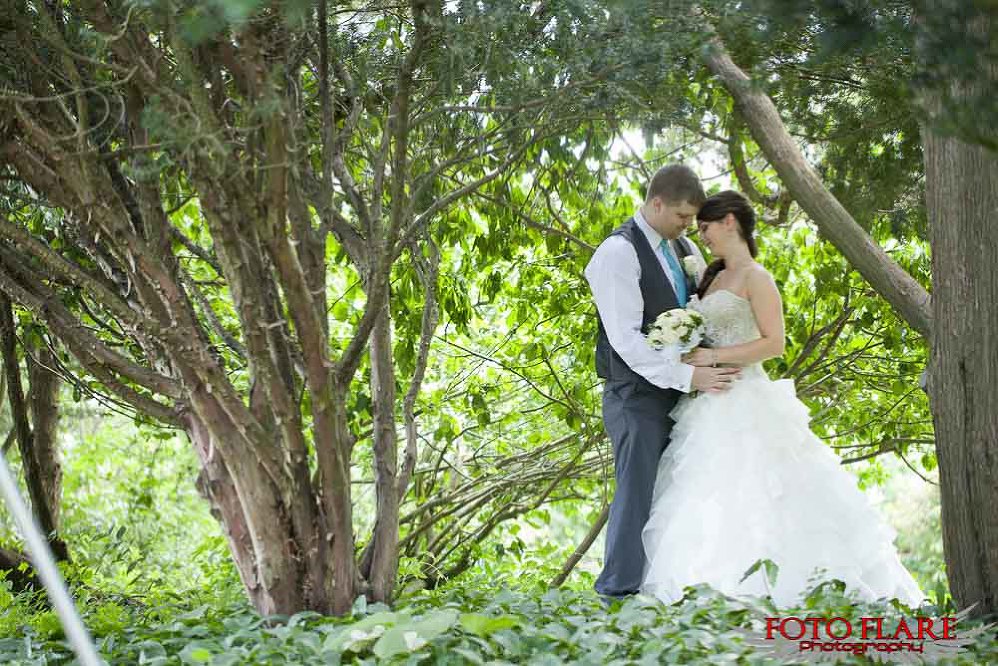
(713, 380)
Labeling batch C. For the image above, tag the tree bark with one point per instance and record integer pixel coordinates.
(891, 281)
(215, 484)
(270, 550)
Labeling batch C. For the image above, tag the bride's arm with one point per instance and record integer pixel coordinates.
(768, 310)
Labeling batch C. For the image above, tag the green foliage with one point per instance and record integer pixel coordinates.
(131, 513)
(915, 512)
(480, 621)
(940, 48)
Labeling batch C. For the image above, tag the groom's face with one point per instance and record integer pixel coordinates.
(671, 219)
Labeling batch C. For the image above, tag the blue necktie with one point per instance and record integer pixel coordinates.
(677, 271)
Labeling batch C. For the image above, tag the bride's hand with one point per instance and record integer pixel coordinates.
(700, 357)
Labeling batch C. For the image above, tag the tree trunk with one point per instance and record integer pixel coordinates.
(962, 199)
(215, 484)
(280, 563)
(384, 551)
(43, 402)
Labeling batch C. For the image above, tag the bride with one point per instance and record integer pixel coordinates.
(744, 478)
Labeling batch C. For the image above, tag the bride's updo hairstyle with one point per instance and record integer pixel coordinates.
(714, 209)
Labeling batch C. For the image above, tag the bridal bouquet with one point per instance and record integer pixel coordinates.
(677, 327)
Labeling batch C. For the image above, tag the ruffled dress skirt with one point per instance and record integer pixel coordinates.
(745, 479)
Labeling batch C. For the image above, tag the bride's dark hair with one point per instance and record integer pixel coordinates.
(714, 209)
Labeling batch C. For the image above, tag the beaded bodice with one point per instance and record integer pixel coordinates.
(729, 318)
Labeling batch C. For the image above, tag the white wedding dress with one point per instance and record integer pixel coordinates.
(744, 479)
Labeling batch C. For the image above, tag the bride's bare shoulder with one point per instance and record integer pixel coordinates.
(759, 279)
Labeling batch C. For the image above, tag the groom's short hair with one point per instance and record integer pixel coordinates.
(676, 183)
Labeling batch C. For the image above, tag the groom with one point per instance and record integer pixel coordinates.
(636, 274)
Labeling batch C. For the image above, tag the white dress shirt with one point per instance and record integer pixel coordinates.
(613, 273)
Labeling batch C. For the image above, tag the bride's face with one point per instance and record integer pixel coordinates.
(717, 235)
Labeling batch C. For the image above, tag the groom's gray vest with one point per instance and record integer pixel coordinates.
(656, 293)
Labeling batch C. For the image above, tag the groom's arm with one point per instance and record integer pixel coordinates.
(613, 274)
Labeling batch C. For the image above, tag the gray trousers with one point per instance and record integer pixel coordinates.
(636, 417)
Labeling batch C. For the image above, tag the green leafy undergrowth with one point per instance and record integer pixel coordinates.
(475, 621)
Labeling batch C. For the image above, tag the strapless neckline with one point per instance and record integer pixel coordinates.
(726, 291)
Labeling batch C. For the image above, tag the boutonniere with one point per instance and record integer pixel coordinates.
(692, 266)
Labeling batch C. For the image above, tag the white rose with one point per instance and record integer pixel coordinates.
(683, 318)
(670, 318)
(668, 336)
(655, 338)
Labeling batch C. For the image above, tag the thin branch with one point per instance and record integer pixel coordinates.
(202, 254)
(582, 548)
(428, 275)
